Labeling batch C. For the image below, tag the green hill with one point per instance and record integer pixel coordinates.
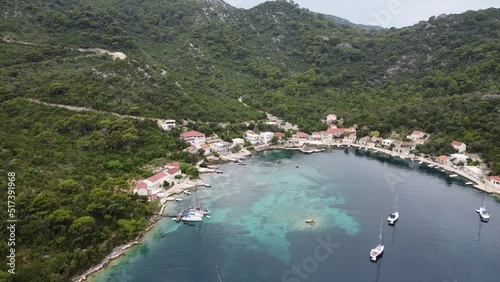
(192, 60)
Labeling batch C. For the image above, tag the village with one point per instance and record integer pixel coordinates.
(169, 179)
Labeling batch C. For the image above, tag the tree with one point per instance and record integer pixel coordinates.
(193, 172)
(178, 177)
(183, 167)
(375, 133)
(236, 148)
(165, 183)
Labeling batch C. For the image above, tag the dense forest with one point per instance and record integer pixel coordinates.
(191, 60)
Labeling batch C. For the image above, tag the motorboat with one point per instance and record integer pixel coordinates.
(378, 251)
(191, 218)
(219, 171)
(420, 162)
(186, 192)
(453, 175)
(469, 183)
(393, 217)
(178, 200)
(207, 185)
(431, 165)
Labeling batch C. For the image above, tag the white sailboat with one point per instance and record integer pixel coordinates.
(377, 252)
(393, 217)
(484, 214)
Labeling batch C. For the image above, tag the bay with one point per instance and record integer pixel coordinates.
(257, 231)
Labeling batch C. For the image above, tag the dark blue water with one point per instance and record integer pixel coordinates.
(257, 230)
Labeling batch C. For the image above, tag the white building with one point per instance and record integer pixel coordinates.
(331, 118)
(460, 147)
(415, 135)
(474, 171)
(156, 181)
(351, 138)
(238, 141)
(387, 142)
(222, 148)
(456, 158)
(265, 137)
(193, 137)
(252, 137)
(166, 124)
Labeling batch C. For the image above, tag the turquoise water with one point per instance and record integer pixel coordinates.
(257, 230)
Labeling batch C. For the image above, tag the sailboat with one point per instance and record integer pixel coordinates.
(484, 214)
(393, 217)
(310, 220)
(378, 251)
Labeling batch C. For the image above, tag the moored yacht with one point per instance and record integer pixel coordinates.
(378, 251)
(484, 214)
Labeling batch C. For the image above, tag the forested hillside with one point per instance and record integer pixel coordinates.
(192, 60)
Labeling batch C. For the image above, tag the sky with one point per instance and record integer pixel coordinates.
(385, 13)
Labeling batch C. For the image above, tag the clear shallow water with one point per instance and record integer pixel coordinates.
(257, 230)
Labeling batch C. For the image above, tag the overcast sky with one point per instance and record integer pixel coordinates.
(386, 13)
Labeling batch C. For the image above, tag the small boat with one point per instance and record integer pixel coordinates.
(297, 166)
(192, 218)
(453, 175)
(310, 220)
(420, 162)
(186, 192)
(208, 216)
(178, 200)
(219, 171)
(242, 158)
(469, 183)
(278, 161)
(207, 185)
(242, 163)
(378, 251)
(393, 217)
(431, 165)
(443, 170)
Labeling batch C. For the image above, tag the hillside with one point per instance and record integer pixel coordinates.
(192, 60)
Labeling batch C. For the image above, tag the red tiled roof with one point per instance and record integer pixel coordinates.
(142, 185)
(192, 133)
(176, 164)
(497, 178)
(204, 146)
(157, 176)
(251, 132)
(279, 134)
(337, 130)
(443, 158)
(332, 126)
(191, 148)
(301, 135)
(416, 132)
(456, 143)
(173, 170)
(154, 197)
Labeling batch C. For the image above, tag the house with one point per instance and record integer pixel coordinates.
(252, 137)
(420, 141)
(156, 181)
(444, 160)
(222, 148)
(364, 140)
(166, 124)
(301, 136)
(415, 135)
(351, 138)
(331, 118)
(141, 189)
(191, 149)
(376, 139)
(238, 141)
(457, 158)
(326, 136)
(316, 135)
(402, 148)
(193, 137)
(205, 148)
(351, 129)
(265, 137)
(332, 126)
(279, 135)
(173, 164)
(493, 180)
(387, 142)
(173, 172)
(474, 171)
(460, 147)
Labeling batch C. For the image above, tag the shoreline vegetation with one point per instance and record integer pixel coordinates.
(304, 147)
